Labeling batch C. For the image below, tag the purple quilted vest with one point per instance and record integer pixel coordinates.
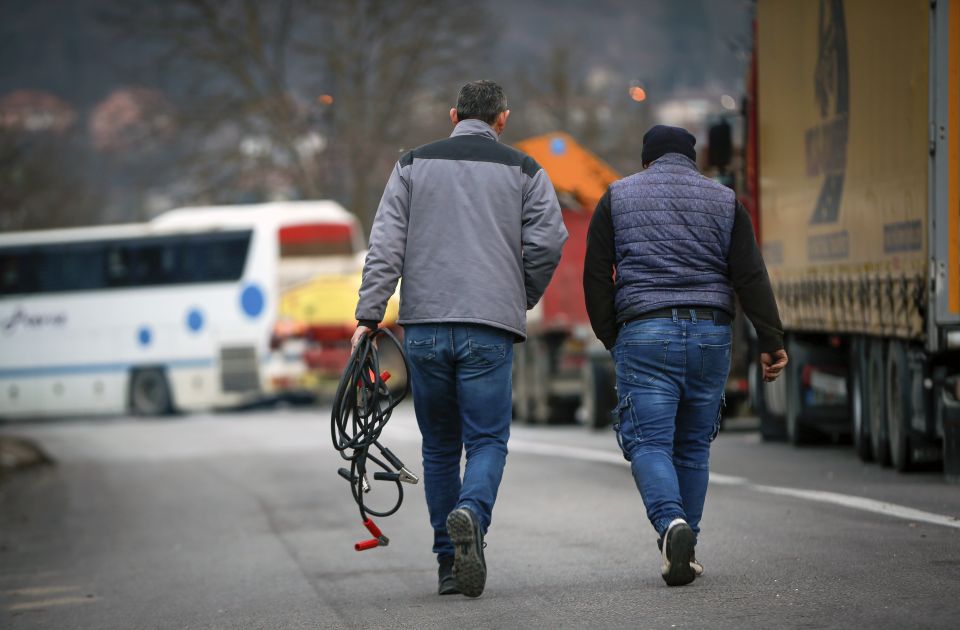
(672, 229)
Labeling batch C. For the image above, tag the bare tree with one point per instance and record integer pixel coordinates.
(229, 63)
(319, 95)
(558, 97)
(39, 188)
(393, 65)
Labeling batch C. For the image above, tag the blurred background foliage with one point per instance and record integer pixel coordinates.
(116, 110)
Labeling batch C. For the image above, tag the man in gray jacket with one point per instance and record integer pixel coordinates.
(475, 230)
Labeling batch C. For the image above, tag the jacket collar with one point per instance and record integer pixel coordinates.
(674, 159)
(474, 127)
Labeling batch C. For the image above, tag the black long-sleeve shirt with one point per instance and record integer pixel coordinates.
(748, 275)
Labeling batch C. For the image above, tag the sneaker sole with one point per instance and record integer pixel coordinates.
(467, 566)
(681, 545)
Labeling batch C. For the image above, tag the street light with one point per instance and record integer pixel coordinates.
(638, 94)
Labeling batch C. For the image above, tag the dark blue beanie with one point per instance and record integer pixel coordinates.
(661, 139)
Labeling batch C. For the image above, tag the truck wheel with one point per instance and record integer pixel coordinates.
(797, 431)
(899, 405)
(599, 392)
(149, 393)
(859, 399)
(877, 401)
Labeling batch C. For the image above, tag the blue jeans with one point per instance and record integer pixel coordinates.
(461, 375)
(671, 375)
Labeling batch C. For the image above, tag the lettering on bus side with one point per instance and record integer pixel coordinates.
(21, 319)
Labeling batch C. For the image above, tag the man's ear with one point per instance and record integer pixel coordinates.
(501, 121)
(453, 115)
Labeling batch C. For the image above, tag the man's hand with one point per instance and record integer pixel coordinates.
(773, 364)
(358, 335)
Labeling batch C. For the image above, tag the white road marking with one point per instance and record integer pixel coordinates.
(48, 603)
(34, 591)
(834, 498)
(862, 503)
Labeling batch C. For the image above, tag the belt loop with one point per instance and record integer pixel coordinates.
(693, 316)
(673, 311)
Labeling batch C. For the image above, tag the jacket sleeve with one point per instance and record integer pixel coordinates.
(599, 289)
(388, 244)
(542, 234)
(748, 274)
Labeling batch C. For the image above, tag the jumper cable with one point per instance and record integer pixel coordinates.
(362, 406)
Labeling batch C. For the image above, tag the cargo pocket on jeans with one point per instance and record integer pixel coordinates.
(716, 426)
(625, 425)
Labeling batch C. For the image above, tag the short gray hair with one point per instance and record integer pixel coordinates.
(483, 100)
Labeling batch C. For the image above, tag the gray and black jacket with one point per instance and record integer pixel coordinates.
(472, 226)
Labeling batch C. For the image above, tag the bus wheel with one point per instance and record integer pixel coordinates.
(859, 399)
(899, 405)
(149, 393)
(877, 401)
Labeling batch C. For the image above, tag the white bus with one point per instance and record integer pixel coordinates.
(172, 315)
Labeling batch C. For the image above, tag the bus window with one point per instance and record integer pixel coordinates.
(15, 272)
(215, 257)
(143, 262)
(69, 268)
(316, 240)
(118, 269)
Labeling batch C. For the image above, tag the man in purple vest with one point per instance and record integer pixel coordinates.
(668, 251)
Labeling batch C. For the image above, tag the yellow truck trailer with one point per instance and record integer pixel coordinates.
(855, 159)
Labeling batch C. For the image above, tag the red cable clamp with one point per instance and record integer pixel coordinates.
(384, 376)
(378, 540)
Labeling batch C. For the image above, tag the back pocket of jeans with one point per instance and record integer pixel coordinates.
(642, 362)
(421, 348)
(485, 353)
(714, 362)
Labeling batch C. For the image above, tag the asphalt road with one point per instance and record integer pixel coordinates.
(240, 521)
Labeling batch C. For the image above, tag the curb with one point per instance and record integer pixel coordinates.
(17, 453)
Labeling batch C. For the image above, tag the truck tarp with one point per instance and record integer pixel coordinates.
(843, 110)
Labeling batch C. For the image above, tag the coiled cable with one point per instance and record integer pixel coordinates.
(362, 407)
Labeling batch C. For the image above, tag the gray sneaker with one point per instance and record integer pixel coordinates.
(677, 553)
(469, 567)
(446, 583)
